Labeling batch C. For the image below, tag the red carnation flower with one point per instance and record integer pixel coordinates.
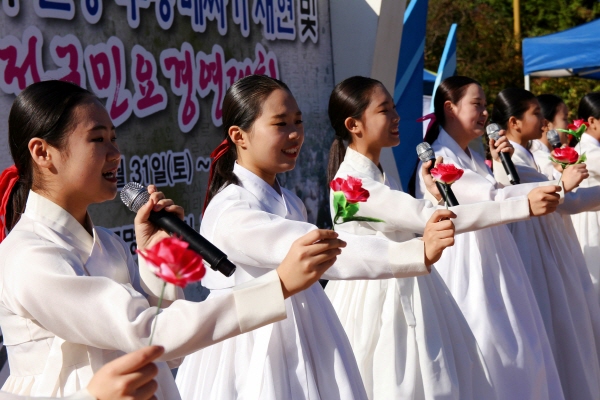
(565, 155)
(447, 173)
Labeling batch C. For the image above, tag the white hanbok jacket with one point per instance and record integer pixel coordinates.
(485, 274)
(562, 286)
(587, 224)
(306, 356)
(409, 336)
(71, 302)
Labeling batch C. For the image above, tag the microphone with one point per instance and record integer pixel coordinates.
(425, 153)
(493, 132)
(135, 195)
(553, 139)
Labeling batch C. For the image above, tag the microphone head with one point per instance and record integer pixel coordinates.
(134, 195)
(425, 152)
(553, 138)
(493, 131)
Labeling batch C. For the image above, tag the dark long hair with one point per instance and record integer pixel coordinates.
(242, 105)
(549, 104)
(43, 110)
(511, 102)
(451, 89)
(589, 106)
(349, 99)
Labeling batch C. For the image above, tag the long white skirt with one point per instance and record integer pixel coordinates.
(306, 356)
(564, 292)
(410, 339)
(587, 228)
(486, 276)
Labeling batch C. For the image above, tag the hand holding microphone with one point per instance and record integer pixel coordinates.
(501, 148)
(426, 154)
(154, 213)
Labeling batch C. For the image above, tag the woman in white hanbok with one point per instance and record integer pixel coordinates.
(484, 270)
(408, 335)
(252, 218)
(552, 256)
(71, 294)
(587, 224)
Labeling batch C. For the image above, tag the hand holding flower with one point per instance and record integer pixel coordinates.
(565, 157)
(438, 234)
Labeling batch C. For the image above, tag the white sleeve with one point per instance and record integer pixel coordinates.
(99, 312)
(402, 212)
(581, 200)
(256, 238)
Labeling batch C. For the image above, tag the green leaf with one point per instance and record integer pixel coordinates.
(351, 210)
(339, 202)
(581, 159)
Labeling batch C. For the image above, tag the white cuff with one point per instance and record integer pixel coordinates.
(407, 259)
(259, 301)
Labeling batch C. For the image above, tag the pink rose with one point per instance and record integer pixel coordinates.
(173, 262)
(352, 189)
(565, 155)
(446, 173)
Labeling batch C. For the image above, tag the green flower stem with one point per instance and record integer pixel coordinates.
(160, 299)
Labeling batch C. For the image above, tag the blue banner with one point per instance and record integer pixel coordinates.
(408, 91)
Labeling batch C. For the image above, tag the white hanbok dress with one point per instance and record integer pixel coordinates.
(70, 302)
(306, 356)
(587, 224)
(564, 292)
(409, 337)
(486, 276)
(81, 395)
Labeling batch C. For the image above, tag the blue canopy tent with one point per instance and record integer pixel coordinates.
(573, 52)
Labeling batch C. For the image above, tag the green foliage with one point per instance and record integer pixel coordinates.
(486, 43)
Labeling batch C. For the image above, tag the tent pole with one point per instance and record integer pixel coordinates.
(527, 82)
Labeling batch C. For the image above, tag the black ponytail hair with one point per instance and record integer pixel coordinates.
(511, 102)
(451, 89)
(42, 110)
(242, 105)
(589, 106)
(549, 104)
(349, 99)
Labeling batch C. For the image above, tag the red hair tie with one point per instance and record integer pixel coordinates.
(9, 177)
(430, 117)
(217, 153)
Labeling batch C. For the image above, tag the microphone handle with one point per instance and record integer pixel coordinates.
(210, 253)
(509, 167)
(450, 199)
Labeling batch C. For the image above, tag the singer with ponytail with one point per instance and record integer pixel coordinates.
(393, 324)
(483, 270)
(252, 218)
(551, 254)
(71, 294)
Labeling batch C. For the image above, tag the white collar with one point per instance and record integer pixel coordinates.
(363, 164)
(590, 139)
(41, 209)
(523, 150)
(538, 145)
(265, 193)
